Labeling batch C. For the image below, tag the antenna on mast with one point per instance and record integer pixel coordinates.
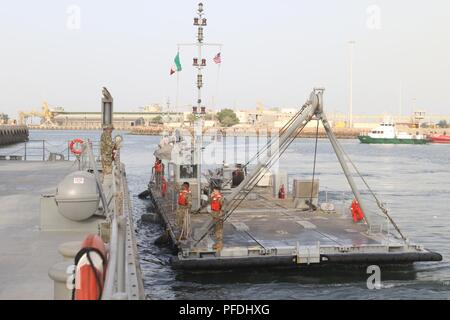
(199, 109)
(200, 22)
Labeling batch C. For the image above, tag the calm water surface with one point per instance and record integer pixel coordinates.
(413, 181)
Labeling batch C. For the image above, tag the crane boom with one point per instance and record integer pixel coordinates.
(311, 107)
(299, 121)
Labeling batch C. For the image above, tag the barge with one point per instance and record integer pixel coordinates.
(264, 223)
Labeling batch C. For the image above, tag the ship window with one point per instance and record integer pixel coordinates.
(188, 172)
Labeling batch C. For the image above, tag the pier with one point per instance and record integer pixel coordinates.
(10, 134)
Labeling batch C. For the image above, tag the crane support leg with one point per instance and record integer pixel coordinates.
(343, 162)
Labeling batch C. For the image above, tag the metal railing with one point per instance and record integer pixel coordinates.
(115, 277)
(121, 280)
(40, 150)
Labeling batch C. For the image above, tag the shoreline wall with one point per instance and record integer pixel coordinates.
(10, 134)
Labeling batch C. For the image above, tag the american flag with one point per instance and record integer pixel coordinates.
(217, 58)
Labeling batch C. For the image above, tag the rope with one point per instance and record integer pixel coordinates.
(79, 255)
(54, 145)
(379, 204)
(186, 226)
(14, 151)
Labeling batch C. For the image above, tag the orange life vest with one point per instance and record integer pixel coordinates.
(158, 167)
(357, 213)
(215, 201)
(182, 201)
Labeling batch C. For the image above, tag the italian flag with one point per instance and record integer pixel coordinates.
(177, 66)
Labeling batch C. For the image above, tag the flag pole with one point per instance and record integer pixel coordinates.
(217, 80)
(178, 84)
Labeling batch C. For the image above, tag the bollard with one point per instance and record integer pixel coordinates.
(69, 250)
(59, 273)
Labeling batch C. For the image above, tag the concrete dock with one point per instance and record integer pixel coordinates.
(26, 252)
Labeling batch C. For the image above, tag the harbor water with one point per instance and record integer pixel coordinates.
(412, 180)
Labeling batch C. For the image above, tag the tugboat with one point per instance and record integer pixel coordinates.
(267, 220)
(386, 133)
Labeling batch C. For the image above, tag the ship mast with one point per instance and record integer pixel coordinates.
(199, 109)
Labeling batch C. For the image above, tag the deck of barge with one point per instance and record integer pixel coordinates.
(269, 231)
(26, 253)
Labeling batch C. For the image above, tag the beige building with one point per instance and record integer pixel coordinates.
(122, 120)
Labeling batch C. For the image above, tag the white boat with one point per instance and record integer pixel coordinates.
(386, 133)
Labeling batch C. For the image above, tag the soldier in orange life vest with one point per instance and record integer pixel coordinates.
(158, 171)
(183, 215)
(216, 211)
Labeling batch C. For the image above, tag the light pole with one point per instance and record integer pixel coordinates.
(350, 116)
(400, 107)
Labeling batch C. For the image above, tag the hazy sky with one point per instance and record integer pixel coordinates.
(274, 52)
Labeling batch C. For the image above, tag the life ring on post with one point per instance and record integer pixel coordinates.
(90, 269)
(76, 146)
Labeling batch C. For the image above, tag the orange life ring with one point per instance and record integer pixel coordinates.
(90, 269)
(73, 146)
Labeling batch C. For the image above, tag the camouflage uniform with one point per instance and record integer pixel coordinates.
(106, 150)
(183, 218)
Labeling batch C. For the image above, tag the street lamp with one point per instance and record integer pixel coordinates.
(350, 118)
